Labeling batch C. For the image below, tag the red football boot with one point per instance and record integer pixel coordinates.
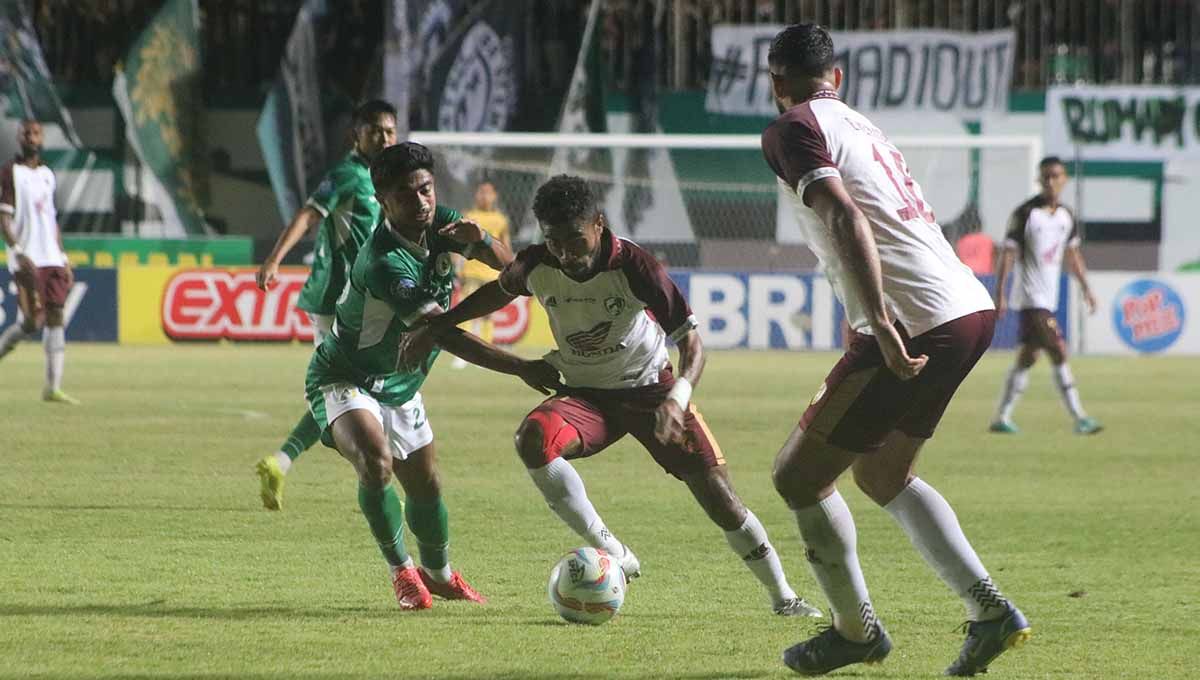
(411, 593)
(456, 589)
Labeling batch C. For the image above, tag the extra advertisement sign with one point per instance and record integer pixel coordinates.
(220, 304)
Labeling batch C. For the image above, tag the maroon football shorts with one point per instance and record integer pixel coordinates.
(1039, 328)
(862, 401)
(601, 417)
(50, 284)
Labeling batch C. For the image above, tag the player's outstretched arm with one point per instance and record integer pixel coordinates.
(420, 341)
(857, 253)
(537, 374)
(481, 246)
(1079, 269)
(305, 219)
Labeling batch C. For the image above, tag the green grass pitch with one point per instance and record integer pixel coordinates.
(133, 544)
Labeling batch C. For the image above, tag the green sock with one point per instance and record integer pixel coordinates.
(303, 436)
(381, 507)
(430, 524)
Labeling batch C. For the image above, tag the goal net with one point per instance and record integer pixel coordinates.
(710, 201)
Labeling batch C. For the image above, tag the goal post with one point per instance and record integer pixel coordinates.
(703, 200)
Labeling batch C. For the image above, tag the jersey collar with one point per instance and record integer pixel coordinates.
(823, 94)
(415, 249)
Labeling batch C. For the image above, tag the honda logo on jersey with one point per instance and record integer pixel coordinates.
(213, 304)
(587, 343)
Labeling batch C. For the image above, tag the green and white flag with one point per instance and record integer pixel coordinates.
(25, 84)
(158, 92)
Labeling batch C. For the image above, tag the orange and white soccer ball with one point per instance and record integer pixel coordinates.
(587, 586)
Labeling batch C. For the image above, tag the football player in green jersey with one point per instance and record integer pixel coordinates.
(345, 207)
(372, 413)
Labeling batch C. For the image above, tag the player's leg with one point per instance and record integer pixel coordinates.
(1064, 380)
(888, 477)
(414, 462)
(558, 429)
(53, 287)
(356, 430)
(29, 316)
(698, 461)
(856, 407)
(1017, 378)
(272, 468)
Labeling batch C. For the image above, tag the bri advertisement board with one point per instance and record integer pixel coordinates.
(91, 309)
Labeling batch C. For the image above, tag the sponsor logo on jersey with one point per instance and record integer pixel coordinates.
(443, 264)
(214, 304)
(587, 343)
(614, 306)
(1148, 315)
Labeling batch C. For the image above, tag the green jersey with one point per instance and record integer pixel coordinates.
(346, 200)
(393, 284)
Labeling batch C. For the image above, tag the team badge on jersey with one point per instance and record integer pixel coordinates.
(443, 264)
(614, 306)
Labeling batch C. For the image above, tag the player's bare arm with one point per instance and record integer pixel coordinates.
(669, 419)
(1008, 257)
(857, 253)
(481, 246)
(305, 219)
(1079, 269)
(488, 299)
(10, 237)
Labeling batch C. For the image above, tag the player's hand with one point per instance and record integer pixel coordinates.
(464, 231)
(540, 375)
(25, 265)
(668, 422)
(1090, 300)
(895, 355)
(267, 275)
(70, 274)
(415, 346)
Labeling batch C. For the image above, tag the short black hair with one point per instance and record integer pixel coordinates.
(1051, 160)
(368, 111)
(399, 161)
(802, 50)
(564, 200)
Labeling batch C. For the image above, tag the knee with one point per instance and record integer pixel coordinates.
(31, 325)
(542, 437)
(796, 488)
(54, 316)
(879, 485)
(375, 467)
(1027, 356)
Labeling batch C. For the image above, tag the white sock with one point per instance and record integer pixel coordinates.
(1066, 389)
(562, 487)
(408, 564)
(10, 337)
(831, 547)
(1014, 386)
(442, 575)
(285, 461)
(751, 544)
(54, 341)
(933, 528)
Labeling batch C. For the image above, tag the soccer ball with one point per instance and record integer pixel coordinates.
(587, 586)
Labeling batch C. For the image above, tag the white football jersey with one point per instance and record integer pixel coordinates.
(28, 195)
(606, 336)
(1040, 238)
(924, 283)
